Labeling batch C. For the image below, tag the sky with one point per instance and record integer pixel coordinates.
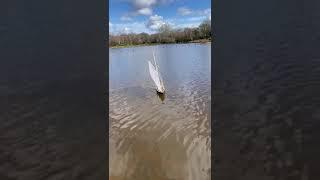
(137, 16)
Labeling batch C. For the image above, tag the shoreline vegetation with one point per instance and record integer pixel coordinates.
(165, 35)
(201, 41)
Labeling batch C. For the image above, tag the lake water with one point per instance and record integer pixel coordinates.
(52, 84)
(266, 101)
(160, 137)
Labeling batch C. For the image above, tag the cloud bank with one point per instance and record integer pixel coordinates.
(187, 17)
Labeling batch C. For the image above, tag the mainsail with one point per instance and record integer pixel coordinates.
(155, 75)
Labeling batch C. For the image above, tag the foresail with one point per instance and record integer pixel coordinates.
(154, 75)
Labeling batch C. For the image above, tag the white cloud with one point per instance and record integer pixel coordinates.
(148, 3)
(144, 11)
(142, 7)
(145, 7)
(126, 30)
(187, 22)
(139, 4)
(188, 17)
(125, 18)
(163, 2)
(184, 11)
(196, 18)
(129, 27)
(207, 12)
(155, 22)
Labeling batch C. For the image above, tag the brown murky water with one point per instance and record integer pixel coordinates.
(266, 113)
(160, 137)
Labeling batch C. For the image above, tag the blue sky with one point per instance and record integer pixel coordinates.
(126, 16)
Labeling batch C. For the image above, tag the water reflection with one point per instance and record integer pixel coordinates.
(161, 96)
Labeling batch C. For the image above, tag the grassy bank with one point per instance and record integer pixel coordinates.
(153, 44)
(201, 41)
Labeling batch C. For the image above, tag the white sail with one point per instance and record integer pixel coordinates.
(156, 77)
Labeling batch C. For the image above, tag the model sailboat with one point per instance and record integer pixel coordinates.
(156, 76)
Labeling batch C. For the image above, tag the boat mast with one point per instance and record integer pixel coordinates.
(157, 68)
(154, 60)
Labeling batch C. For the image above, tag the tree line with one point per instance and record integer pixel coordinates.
(165, 34)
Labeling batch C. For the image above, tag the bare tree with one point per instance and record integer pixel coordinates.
(166, 34)
(205, 28)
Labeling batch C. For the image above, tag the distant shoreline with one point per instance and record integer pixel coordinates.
(154, 44)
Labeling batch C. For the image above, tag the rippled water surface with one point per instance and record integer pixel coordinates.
(160, 137)
(266, 113)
